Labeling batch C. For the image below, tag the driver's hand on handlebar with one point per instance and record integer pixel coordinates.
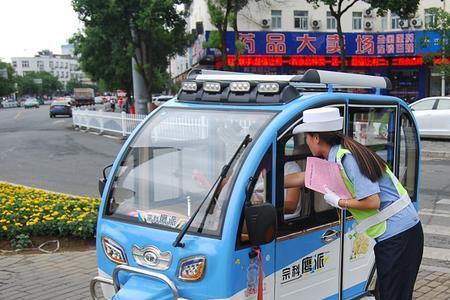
(201, 179)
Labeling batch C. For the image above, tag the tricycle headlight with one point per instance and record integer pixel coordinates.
(192, 268)
(113, 251)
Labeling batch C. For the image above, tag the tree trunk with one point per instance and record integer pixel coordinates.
(223, 49)
(236, 37)
(341, 42)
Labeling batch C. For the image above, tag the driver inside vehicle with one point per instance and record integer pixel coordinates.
(292, 205)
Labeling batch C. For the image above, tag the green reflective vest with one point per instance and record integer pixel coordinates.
(361, 214)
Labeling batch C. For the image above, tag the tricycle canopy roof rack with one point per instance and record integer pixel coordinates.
(232, 87)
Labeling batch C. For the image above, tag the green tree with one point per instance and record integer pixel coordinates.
(73, 83)
(106, 45)
(440, 25)
(219, 14)
(237, 5)
(403, 8)
(7, 79)
(38, 84)
(224, 13)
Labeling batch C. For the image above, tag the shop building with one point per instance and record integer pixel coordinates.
(291, 36)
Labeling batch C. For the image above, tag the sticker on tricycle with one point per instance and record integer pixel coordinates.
(161, 218)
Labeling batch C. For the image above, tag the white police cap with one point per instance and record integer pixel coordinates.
(320, 120)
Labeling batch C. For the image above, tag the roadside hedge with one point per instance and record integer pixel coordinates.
(35, 212)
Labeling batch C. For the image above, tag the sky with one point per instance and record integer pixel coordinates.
(28, 26)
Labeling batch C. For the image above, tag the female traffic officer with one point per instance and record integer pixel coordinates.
(374, 188)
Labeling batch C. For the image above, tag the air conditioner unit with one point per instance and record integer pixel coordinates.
(315, 24)
(265, 23)
(368, 25)
(416, 22)
(403, 23)
(368, 12)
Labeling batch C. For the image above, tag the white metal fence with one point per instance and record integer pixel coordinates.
(6, 104)
(121, 123)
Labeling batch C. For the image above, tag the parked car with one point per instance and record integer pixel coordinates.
(58, 108)
(433, 116)
(31, 102)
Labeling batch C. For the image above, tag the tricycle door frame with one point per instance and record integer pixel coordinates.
(308, 247)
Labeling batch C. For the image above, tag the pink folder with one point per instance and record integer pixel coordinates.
(321, 173)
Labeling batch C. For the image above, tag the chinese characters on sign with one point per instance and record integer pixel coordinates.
(322, 61)
(307, 266)
(322, 43)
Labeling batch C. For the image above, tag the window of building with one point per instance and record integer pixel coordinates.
(384, 23)
(56, 64)
(429, 17)
(14, 63)
(25, 64)
(276, 19)
(394, 21)
(50, 64)
(301, 19)
(40, 65)
(357, 20)
(331, 21)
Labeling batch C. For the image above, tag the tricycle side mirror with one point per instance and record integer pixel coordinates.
(261, 222)
(102, 181)
(101, 185)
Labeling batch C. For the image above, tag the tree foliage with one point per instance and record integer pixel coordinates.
(440, 25)
(224, 13)
(403, 8)
(106, 45)
(6, 84)
(27, 84)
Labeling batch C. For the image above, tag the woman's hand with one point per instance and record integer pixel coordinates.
(331, 198)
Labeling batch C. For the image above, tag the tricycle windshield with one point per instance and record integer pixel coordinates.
(172, 163)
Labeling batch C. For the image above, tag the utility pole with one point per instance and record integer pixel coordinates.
(139, 91)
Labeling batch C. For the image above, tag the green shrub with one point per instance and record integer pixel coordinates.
(35, 212)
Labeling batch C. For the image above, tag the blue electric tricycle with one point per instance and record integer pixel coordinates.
(180, 216)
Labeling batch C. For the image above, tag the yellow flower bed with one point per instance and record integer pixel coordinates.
(36, 212)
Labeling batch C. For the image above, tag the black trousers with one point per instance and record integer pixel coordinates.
(398, 259)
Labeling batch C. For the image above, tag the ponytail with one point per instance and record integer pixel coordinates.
(370, 164)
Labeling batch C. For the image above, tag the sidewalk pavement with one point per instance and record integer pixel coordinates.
(435, 148)
(66, 275)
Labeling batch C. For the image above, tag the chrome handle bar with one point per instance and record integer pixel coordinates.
(115, 280)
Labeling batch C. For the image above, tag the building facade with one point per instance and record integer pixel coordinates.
(291, 36)
(64, 66)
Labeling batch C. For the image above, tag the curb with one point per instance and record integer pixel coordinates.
(435, 154)
(434, 269)
(44, 190)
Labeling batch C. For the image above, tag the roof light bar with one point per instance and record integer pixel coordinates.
(240, 86)
(339, 79)
(189, 86)
(212, 87)
(268, 88)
